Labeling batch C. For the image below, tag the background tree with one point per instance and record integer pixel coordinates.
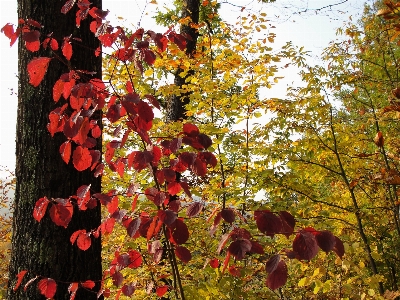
(44, 248)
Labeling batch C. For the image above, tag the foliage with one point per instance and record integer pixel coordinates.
(6, 186)
(223, 205)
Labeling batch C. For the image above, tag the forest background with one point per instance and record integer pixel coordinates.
(313, 167)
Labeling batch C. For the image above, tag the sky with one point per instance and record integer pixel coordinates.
(298, 21)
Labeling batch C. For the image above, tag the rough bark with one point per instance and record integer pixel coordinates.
(176, 105)
(43, 248)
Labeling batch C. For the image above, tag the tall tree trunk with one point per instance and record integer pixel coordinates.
(43, 248)
(176, 106)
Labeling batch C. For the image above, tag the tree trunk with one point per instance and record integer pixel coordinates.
(44, 248)
(176, 105)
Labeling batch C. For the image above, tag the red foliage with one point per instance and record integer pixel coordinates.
(37, 67)
(47, 287)
(166, 160)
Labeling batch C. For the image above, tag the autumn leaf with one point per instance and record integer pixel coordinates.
(61, 214)
(40, 208)
(183, 254)
(65, 151)
(47, 287)
(37, 68)
(278, 277)
(81, 158)
(20, 276)
(379, 140)
(161, 290)
(67, 49)
(305, 245)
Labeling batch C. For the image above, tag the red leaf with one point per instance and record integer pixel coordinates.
(190, 130)
(107, 226)
(20, 276)
(194, 209)
(157, 250)
(145, 111)
(65, 151)
(149, 56)
(288, 223)
(67, 6)
(199, 167)
(67, 49)
(167, 216)
(161, 290)
(72, 288)
(96, 131)
(8, 30)
(61, 214)
(305, 245)
(339, 247)
(268, 223)
(75, 235)
(234, 271)
(180, 232)
(40, 208)
(183, 254)
(151, 228)
(135, 259)
(81, 158)
(37, 67)
(128, 290)
(47, 287)
(83, 194)
(58, 90)
(239, 248)
(325, 240)
(89, 284)
(174, 188)
(133, 227)
(272, 263)
(228, 215)
(256, 248)
(226, 261)
(53, 44)
(277, 278)
(83, 241)
(178, 40)
(153, 100)
(31, 38)
(214, 263)
(223, 241)
(117, 278)
(112, 206)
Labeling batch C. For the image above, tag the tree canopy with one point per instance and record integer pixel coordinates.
(242, 196)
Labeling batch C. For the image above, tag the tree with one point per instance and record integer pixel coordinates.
(153, 208)
(44, 248)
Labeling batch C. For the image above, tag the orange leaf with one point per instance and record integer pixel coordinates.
(37, 67)
(65, 151)
(379, 140)
(83, 241)
(81, 158)
(67, 50)
(152, 226)
(161, 290)
(89, 284)
(20, 276)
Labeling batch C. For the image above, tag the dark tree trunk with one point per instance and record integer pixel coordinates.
(43, 248)
(176, 106)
